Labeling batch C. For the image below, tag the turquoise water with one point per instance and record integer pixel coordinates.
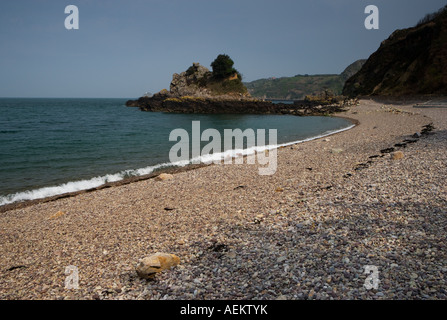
(53, 146)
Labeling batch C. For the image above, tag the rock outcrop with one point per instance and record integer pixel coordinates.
(410, 61)
(213, 106)
(190, 82)
(198, 81)
(197, 91)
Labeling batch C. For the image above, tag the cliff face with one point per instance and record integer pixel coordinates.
(190, 82)
(410, 61)
(198, 81)
(352, 69)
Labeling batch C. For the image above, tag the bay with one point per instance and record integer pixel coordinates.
(52, 146)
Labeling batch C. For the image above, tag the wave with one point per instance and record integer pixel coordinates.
(74, 186)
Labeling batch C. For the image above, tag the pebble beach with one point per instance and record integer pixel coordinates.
(374, 195)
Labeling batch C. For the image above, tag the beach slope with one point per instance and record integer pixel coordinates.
(334, 206)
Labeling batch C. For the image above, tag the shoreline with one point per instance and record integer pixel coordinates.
(334, 206)
(154, 174)
(27, 203)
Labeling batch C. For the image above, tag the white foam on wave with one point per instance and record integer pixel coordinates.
(234, 153)
(74, 186)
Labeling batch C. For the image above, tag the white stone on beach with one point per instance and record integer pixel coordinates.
(336, 150)
(165, 176)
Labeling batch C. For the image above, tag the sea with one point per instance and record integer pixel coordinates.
(51, 146)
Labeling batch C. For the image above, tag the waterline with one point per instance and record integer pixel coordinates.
(95, 182)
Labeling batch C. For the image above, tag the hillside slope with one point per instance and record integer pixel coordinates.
(299, 86)
(410, 61)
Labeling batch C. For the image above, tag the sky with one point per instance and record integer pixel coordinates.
(123, 49)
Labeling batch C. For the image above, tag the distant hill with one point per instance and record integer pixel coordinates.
(352, 69)
(410, 61)
(299, 86)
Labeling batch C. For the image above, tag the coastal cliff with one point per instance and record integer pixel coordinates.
(410, 61)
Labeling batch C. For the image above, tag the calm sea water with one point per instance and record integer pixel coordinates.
(53, 146)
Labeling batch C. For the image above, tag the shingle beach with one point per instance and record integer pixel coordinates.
(374, 195)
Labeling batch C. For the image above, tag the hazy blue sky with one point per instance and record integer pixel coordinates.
(125, 48)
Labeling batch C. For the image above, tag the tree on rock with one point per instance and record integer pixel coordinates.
(223, 67)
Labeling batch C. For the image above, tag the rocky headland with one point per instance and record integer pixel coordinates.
(197, 91)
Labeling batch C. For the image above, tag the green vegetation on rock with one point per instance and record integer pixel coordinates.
(198, 81)
(223, 67)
